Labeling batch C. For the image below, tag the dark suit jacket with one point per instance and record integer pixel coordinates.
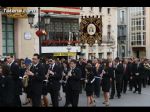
(6, 91)
(119, 72)
(82, 68)
(54, 80)
(14, 72)
(73, 82)
(37, 80)
(139, 69)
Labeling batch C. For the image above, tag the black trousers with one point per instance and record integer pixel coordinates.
(17, 101)
(118, 87)
(124, 83)
(131, 84)
(137, 83)
(97, 87)
(144, 80)
(82, 85)
(73, 97)
(112, 88)
(36, 100)
(54, 97)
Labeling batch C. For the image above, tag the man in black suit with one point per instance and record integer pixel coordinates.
(130, 73)
(14, 72)
(73, 84)
(125, 76)
(36, 74)
(54, 76)
(118, 76)
(81, 65)
(138, 71)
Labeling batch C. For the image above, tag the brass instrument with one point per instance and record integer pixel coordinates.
(68, 75)
(147, 66)
(26, 77)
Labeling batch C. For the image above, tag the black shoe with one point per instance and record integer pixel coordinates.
(119, 97)
(139, 92)
(134, 91)
(124, 92)
(111, 98)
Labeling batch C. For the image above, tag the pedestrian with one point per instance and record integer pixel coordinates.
(97, 69)
(89, 85)
(125, 76)
(14, 72)
(130, 73)
(44, 101)
(106, 80)
(54, 75)
(27, 88)
(73, 83)
(81, 65)
(7, 87)
(36, 74)
(118, 76)
(138, 71)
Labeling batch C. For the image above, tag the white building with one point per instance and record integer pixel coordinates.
(123, 43)
(108, 48)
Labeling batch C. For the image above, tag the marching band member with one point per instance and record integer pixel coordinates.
(73, 84)
(37, 74)
(54, 76)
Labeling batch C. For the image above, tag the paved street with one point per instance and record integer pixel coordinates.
(128, 99)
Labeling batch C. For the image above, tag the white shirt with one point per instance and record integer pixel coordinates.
(36, 64)
(11, 63)
(53, 66)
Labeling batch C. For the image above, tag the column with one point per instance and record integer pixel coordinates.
(86, 51)
(1, 39)
(97, 50)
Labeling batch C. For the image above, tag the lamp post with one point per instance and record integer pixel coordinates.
(46, 21)
(68, 48)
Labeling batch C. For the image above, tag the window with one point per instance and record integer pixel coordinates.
(109, 31)
(8, 35)
(108, 10)
(59, 30)
(122, 16)
(100, 9)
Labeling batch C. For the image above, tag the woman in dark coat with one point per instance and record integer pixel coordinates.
(7, 93)
(89, 88)
(66, 69)
(106, 80)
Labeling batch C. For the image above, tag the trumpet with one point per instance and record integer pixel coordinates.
(68, 75)
(147, 66)
(26, 77)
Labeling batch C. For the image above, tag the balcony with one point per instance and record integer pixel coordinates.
(107, 40)
(138, 43)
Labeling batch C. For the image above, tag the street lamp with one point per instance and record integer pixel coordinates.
(46, 21)
(68, 48)
(30, 18)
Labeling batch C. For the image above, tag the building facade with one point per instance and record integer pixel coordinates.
(108, 47)
(123, 46)
(13, 34)
(139, 20)
(18, 38)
